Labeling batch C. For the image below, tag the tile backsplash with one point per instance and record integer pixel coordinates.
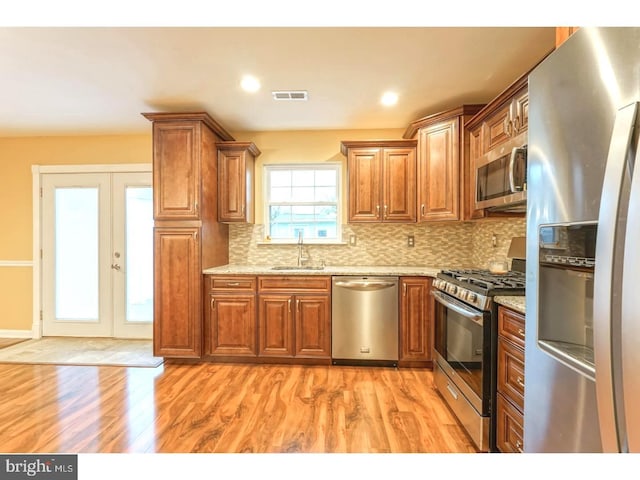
(460, 244)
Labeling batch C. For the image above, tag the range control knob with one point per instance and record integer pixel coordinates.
(472, 297)
(453, 289)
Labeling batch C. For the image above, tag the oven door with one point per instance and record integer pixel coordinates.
(463, 347)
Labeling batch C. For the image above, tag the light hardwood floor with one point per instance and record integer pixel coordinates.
(224, 408)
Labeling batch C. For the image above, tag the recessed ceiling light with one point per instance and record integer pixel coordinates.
(250, 84)
(389, 98)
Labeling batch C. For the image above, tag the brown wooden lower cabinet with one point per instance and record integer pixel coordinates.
(177, 304)
(511, 382)
(294, 325)
(231, 325)
(416, 324)
(510, 432)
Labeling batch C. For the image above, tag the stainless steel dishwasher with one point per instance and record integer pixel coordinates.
(364, 320)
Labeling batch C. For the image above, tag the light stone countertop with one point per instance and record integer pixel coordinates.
(400, 270)
(516, 303)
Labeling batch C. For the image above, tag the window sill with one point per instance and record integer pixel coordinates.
(306, 242)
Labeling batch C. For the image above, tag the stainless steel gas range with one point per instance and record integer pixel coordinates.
(465, 345)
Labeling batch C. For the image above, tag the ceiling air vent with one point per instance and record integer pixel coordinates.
(290, 95)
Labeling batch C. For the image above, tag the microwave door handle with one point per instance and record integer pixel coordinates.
(606, 242)
(630, 327)
(512, 161)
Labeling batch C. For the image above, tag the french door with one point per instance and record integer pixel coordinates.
(97, 255)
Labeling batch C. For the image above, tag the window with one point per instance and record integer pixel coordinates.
(302, 199)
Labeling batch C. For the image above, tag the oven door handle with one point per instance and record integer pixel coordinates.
(458, 307)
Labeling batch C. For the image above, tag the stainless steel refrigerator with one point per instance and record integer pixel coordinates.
(582, 350)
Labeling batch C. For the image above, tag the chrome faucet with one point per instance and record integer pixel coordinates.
(302, 257)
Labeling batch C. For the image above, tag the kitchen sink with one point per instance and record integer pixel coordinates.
(305, 267)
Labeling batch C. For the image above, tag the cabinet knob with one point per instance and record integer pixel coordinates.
(520, 381)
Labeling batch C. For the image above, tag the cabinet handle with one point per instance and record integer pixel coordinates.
(520, 381)
(289, 305)
(233, 284)
(213, 301)
(195, 235)
(510, 128)
(519, 445)
(404, 290)
(385, 211)
(297, 304)
(517, 123)
(422, 208)
(377, 211)
(195, 205)
(242, 209)
(521, 332)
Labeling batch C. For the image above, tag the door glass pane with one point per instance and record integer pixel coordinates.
(76, 253)
(139, 254)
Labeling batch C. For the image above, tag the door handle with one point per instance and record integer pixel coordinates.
(115, 266)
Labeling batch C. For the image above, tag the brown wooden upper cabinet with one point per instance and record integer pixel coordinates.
(236, 173)
(442, 178)
(182, 144)
(509, 120)
(501, 120)
(562, 33)
(381, 180)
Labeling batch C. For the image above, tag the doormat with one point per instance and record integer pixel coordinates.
(82, 351)
(7, 342)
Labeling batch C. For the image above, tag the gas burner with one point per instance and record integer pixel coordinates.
(486, 283)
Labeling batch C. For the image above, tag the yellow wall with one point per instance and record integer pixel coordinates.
(313, 146)
(17, 155)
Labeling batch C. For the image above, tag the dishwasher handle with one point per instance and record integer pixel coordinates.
(364, 286)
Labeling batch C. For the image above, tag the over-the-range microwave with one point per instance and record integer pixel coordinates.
(501, 177)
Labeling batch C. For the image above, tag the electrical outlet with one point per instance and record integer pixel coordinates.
(410, 241)
(352, 240)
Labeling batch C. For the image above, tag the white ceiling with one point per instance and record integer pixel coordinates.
(98, 80)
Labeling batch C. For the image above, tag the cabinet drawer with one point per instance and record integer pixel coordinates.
(511, 372)
(510, 433)
(294, 284)
(234, 284)
(511, 325)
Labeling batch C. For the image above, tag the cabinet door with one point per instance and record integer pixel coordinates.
(439, 171)
(176, 170)
(177, 325)
(275, 325)
(521, 112)
(232, 193)
(399, 190)
(231, 325)
(498, 128)
(313, 326)
(364, 169)
(416, 319)
(475, 151)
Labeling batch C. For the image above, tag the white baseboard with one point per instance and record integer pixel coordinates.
(16, 334)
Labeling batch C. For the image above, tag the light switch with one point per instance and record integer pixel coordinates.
(352, 240)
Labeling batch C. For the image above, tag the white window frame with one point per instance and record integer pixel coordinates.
(336, 166)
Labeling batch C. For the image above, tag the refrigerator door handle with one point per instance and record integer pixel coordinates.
(603, 282)
(630, 328)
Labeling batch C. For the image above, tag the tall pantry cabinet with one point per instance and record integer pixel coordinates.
(187, 235)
